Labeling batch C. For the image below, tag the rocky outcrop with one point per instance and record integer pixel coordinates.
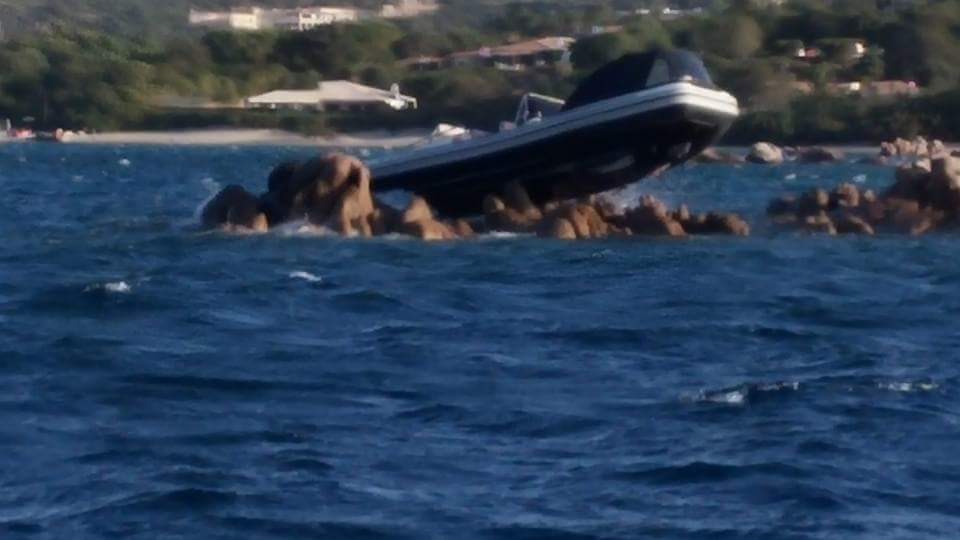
(765, 153)
(920, 200)
(418, 221)
(335, 192)
(918, 147)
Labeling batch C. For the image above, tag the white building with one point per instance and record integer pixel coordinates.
(235, 19)
(408, 8)
(333, 96)
(272, 19)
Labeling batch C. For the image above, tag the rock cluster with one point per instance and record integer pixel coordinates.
(598, 218)
(917, 147)
(332, 192)
(922, 199)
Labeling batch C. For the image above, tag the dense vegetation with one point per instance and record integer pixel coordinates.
(62, 76)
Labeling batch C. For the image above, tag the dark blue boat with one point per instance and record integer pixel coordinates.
(636, 115)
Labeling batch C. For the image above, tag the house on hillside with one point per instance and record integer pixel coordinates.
(408, 8)
(255, 18)
(546, 51)
(333, 96)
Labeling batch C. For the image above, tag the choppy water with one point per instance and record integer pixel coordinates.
(160, 383)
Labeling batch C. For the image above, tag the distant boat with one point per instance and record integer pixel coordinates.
(637, 115)
(11, 134)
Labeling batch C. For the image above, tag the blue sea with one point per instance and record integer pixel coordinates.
(160, 382)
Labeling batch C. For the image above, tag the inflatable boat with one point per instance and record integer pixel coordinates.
(637, 115)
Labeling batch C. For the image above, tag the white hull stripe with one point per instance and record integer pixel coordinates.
(661, 97)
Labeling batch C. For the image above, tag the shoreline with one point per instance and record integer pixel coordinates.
(253, 137)
(382, 139)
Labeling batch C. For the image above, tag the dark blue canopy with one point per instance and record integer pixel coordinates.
(639, 71)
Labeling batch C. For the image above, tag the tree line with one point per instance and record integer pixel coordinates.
(76, 78)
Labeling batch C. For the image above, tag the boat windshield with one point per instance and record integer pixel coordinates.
(636, 72)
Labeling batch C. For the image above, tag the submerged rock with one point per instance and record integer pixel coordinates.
(234, 209)
(819, 154)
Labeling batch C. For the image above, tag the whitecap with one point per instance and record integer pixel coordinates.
(860, 178)
(213, 188)
(306, 276)
(117, 287)
(124, 162)
(735, 397)
(744, 393)
(907, 387)
(211, 185)
(502, 235)
(303, 228)
(791, 176)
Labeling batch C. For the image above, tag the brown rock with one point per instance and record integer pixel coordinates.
(499, 217)
(868, 196)
(234, 209)
(820, 223)
(417, 210)
(813, 202)
(937, 149)
(429, 230)
(943, 187)
(651, 218)
(385, 219)
(909, 217)
(559, 228)
(579, 222)
(717, 223)
(783, 205)
(516, 198)
(327, 178)
(922, 225)
(818, 154)
(682, 214)
(850, 224)
(606, 208)
(845, 196)
(731, 224)
(874, 212)
(463, 229)
(596, 225)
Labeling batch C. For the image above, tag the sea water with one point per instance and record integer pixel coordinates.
(161, 382)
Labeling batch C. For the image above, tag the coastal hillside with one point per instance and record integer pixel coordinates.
(151, 17)
(803, 72)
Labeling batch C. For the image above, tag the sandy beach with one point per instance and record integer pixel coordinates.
(253, 137)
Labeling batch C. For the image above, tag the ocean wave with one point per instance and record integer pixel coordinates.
(116, 287)
(305, 276)
(908, 387)
(746, 393)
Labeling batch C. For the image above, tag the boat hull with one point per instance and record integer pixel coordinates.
(574, 154)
